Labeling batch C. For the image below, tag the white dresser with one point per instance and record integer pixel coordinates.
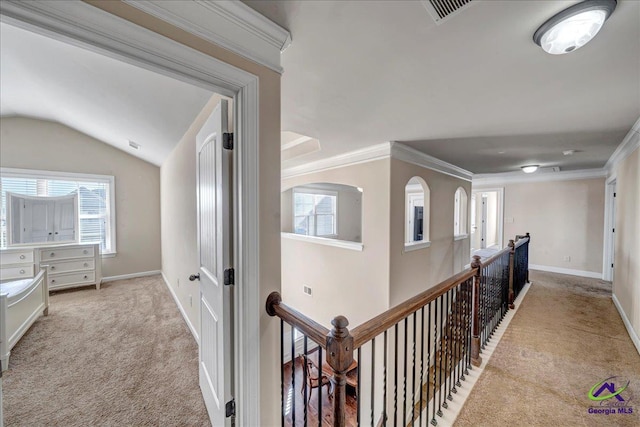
(70, 266)
(16, 264)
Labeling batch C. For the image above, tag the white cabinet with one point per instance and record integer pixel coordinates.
(16, 264)
(70, 266)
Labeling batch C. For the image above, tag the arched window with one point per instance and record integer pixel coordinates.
(460, 213)
(416, 194)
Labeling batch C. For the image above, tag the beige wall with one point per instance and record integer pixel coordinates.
(626, 279)
(565, 219)
(43, 145)
(269, 171)
(415, 271)
(178, 217)
(340, 278)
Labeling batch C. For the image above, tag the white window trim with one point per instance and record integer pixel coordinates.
(460, 237)
(344, 244)
(73, 176)
(311, 190)
(414, 246)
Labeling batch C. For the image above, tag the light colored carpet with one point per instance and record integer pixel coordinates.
(566, 336)
(120, 356)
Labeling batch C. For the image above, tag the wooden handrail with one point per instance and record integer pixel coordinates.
(374, 327)
(308, 326)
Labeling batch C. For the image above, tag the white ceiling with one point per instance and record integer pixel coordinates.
(107, 99)
(360, 73)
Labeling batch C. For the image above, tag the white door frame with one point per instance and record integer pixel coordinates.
(609, 223)
(86, 26)
(500, 213)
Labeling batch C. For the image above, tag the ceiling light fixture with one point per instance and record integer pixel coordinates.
(134, 145)
(573, 27)
(529, 168)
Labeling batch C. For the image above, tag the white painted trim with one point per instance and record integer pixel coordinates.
(460, 237)
(230, 24)
(411, 155)
(520, 177)
(344, 244)
(181, 308)
(372, 153)
(501, 202)
(363, 155)
(630, 143)
(632, 333)
(414, 246)
(572, 272)
(609, 221)
(295, 142)
(83, 25)
(130, 276)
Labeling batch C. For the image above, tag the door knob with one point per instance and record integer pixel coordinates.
(194, 277)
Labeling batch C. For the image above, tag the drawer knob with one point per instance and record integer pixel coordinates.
(85, 251)
(21, 271)
(52, 254)
(85, 276)
(22, 257)
(53, 267)
(53, 280)
(86, 264)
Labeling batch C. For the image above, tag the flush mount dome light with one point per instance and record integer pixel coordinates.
(573, 27)
(529, 168)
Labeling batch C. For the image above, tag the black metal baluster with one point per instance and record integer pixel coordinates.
(468, 325)
(413, 375)
(293, 378)
(320, 362)
(440, 335)
(358, 390)
(395, 380)
(435, 357)
(449, 344)
(421, 363)
(282, 371)
(384, 383)
(304, 375)
(456, 339)
(373, 378)
(404, 401)
(447, 337)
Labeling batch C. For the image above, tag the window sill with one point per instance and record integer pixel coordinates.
(414, 246)
(108, 255)
(344, 244)
(460, 237)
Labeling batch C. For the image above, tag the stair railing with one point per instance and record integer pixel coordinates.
(404, 365)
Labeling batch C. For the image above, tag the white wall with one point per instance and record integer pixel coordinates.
(43, 145)
(341, 278)
(626, 279)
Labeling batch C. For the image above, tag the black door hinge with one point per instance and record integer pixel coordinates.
(229, 276)
(230, 408)
(614, 194)
(227, 141)
(612, 265)
(613, 230)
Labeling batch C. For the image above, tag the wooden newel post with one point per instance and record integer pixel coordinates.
(339, 357)
(512, 254)
(528, 246)
(476, 360)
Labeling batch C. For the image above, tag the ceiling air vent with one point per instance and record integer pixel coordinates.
(442, 9)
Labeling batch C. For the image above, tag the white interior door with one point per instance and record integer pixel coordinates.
(64, 229)
(483, 225)
(214, 248)
(38, 221)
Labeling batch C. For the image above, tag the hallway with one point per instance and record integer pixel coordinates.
(566, 337)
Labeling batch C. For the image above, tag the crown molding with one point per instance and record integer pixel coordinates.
(230, 24)
(628, 145)
(520, 177)
(407, 154)
(367, 154)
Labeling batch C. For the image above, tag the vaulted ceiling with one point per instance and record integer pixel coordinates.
(102, 97)
(474, 91)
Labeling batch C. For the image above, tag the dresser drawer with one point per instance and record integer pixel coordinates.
(16, 257)
(73, 265)
(71, 279)
(53, 254)
(16, 272)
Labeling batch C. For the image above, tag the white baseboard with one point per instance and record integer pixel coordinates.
(632, 333)
(581, 273)
(130, 276)
(184, 314)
